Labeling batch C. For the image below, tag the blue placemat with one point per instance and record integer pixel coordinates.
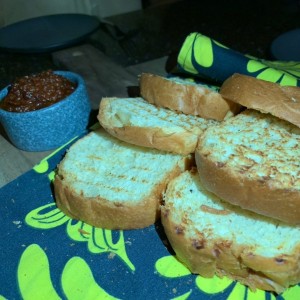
(46, 255)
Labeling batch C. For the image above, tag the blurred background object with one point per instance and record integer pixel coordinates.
(136, 31)
(12, 11)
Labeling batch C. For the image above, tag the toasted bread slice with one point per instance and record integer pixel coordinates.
(138, 122)
(253, 160)
(211, 236)
(186, 96)
(264, 96)
(111, 184)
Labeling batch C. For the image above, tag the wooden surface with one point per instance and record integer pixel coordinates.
(103, 78)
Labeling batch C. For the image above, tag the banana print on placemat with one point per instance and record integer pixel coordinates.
(34, 278)
(98, 240)
(206, 58)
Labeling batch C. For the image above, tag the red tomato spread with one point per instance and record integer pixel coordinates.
(36, 91)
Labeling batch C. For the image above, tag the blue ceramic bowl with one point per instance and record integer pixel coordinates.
(52, 126)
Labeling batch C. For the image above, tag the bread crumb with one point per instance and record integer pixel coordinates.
(17, 223)
(111, 255)
(294, 100)
(83, 231)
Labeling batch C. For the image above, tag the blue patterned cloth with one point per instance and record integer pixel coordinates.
(203, 57)
(46, 255)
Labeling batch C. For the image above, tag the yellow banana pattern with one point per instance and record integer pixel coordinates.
(34, 275)
(77, 280)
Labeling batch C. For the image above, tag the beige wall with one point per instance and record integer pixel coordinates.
(15, 10)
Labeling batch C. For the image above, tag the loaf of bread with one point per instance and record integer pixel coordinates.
(211, 236)
(186, 96)
(264, 96)
(252, 160)
(138, 122)
(110, 184)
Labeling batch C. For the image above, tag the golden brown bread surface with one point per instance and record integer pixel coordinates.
(111, 184)
(184, 96)
(212, 237)
(141, 123)
(264, 96)
(100, 212)
(252, 160)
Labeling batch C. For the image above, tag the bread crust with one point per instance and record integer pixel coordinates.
(183, 142)
(185, 98)
(255, 195)
(207, 256)
(264, 96)
(103, 213)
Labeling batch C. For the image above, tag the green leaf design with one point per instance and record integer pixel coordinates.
(2, 298)
(183, 297)
(270, 75)
(255, 65)
(43, 165)
(289, 67)
(291, 293)
(203, 51)
(186, 53)
(35, 281)
(288, 80)
(51, 176)
(284, 73)
(197, 51)
(257, 295)
(242, 292)
(99, 240)
(34, 275)
(213, 285)
(169, 266)
(46, 217)
(78, 282)
(119, 247)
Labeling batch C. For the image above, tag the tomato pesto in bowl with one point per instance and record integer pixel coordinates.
(36, 91)
(44, 111)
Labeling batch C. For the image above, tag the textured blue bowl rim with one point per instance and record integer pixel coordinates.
(67, 74)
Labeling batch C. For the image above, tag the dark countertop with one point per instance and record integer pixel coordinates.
(248, 26)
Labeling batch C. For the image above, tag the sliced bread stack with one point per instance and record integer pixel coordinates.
(114, 178)
(211, 236)
(239, 214)
(236, 213)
